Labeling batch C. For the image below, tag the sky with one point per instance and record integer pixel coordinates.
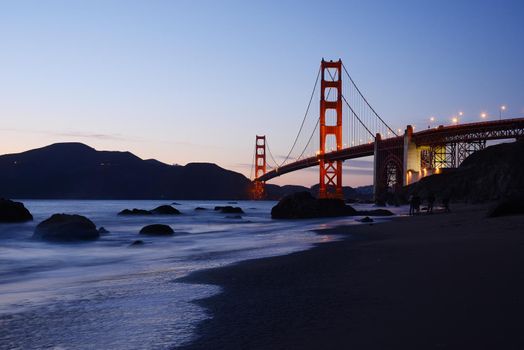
(195, 81)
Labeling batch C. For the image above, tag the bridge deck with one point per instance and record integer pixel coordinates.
(491, 130)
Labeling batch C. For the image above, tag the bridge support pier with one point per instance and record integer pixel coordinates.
(411, 171)
(378, 186)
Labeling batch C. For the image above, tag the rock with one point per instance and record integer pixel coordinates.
(136, 243)
(11, 211)
(376, 212)
(66, 228)
(230, 210)
(157, 230)
(366, 219)
(102, 230)
(135, 212)
(232, 203)
(303, 205)
(165, 210)
(200, 208)
(175, 203)
(506, 207)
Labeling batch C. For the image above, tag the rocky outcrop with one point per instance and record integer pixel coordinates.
(302, 205)
(228, 209)
(66, 228)
(11, 211)
(161, 210)
(165, 210)
(491, 174)
(157, 230)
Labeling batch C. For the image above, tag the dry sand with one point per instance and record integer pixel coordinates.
(442, 281)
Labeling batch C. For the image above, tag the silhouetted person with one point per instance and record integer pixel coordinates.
(411, 207)
(445, 203)
(414, 205)
(431, 201)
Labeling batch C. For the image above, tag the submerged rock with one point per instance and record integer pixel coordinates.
(506, 207)
(200, 208)
(229, 209)
(11, 211)
(165, 210)
(161, 210)
(102, 230)
(137, 243)
(135, 212)
(66, 228)
(157, 230)
(302, 205)
(366, 219)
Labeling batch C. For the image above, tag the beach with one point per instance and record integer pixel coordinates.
(442, 281)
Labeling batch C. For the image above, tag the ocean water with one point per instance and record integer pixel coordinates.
(109, 295)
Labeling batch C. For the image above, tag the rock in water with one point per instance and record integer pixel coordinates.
(376, 212)
(200, 208)
(135, 212)
(137, 243)
(102, 230)
(66, 228)
(506, 207)
(157, 230)
(11, 211)
(165, 210)
(366, 219)
(229, 209)
(302, 205)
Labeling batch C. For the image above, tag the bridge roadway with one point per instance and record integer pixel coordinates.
(490, 130)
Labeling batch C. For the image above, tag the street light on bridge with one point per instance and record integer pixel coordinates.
(502, 109)
(455, 120)
(483, 115)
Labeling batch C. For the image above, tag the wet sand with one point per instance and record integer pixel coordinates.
(442, 281)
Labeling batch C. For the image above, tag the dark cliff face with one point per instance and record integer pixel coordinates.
(493, 173)
(74, 170)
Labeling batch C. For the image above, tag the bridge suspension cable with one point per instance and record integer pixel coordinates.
(301, 125)
(366, 101)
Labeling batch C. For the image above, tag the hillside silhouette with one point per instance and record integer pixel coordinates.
(77, 171)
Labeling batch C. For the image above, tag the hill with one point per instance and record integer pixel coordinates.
(77, 171)
(493, 173)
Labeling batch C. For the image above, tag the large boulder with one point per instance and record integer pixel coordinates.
(165, 210)
(157, 230)
(66, 228)
(302, 205)
(11, 211)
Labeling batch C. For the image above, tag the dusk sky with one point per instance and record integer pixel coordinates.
(195, 81)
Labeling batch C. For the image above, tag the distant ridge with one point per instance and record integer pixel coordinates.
(77, 171)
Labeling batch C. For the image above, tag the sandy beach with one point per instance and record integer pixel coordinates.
(442, 281)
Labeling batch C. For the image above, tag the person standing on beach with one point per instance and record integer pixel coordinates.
(445, 202)
(411, 207)
(431, 201)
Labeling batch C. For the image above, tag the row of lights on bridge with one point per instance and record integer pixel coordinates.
(456, 118)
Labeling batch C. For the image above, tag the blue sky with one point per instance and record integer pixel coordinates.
(185, 81)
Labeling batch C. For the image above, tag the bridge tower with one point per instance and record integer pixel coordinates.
(258, 190)
(330, 171)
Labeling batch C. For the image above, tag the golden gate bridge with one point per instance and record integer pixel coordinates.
(347, 127)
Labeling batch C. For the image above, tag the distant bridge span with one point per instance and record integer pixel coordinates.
(435, 148)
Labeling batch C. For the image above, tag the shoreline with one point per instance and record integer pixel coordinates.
(443, 281)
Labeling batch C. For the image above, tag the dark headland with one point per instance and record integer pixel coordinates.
(442, 281)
